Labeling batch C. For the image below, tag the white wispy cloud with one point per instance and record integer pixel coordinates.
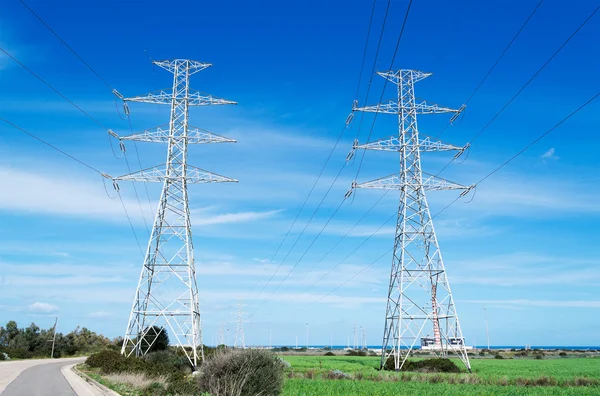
(42, 307)
(549, 155)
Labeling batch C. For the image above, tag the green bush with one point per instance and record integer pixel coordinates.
(498, 356)
(563, 354)
(167, 361)
(18, 353)
(435, 365)
(329, 354)
(242, 372)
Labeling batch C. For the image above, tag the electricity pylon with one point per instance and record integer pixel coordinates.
(167, 292)
(419, 293)
(239, 333)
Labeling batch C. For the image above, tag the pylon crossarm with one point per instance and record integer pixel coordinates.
(159, 175)
(394, 182)
(193, 98)
(393, 144)
(194, 136)
(392, 107)
(192, 65)
(396, 76)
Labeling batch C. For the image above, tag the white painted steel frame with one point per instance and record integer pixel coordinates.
(419, 293)
(167, 291)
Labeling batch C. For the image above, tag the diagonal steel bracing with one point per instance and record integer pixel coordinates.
(419, 298)
(167, 292)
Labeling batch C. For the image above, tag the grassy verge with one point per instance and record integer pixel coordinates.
(337, 375)
(121, 388)
(308, 387)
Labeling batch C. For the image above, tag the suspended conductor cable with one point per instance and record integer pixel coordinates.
(362, 158)
(60, 94)
(525, 85)
(364, 57)
(66, 45)
(496, 63)
(524, 149)
(348, 123)
(81, 163)
(335, 179)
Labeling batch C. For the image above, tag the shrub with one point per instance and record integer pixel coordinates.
(562, 354)
(168, 361)
(435, 365)
(329, 354)
(242, 372)
(108, 361)
(538, 356)
(284, 363)
(498, 356)
(337, 374)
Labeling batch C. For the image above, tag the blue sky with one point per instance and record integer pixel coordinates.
(525, 247)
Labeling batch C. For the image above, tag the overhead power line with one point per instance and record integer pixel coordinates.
(497, 61)
(47, 26)
(83, 112)
(65, 43)
(90, 167)
(533, 77)
(346, 126)
(335, 179)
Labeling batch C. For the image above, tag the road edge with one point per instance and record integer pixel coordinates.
(83, 385)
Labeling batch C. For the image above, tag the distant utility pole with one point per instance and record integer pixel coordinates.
(364, 338)
(487, 334)
(307, 336)
(53, 338)
(419, 296)
(167, 291)
(355, 345)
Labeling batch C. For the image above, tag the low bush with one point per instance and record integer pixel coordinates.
(329, 354)
(338, 374)
(241, 372)
(435, 365)
(498, 356)
(108, 361)
(563, 354)
(168, 361)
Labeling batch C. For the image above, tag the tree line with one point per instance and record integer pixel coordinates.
(33, 342)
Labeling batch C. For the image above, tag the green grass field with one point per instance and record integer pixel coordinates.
(308, 376)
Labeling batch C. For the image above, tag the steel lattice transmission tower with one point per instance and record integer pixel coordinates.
(240, 341)
(419, 297)
(167, 292)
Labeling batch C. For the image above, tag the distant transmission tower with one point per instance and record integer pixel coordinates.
(167, 292)
(419, 294)
(239, 333)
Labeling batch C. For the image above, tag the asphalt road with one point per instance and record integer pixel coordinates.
(40, 380)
